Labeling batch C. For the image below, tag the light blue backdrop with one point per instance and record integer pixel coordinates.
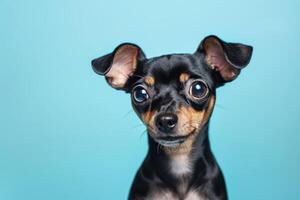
(66, 135)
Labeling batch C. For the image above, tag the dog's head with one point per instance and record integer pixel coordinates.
(174, 94)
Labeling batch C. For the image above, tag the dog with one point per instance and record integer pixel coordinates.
(174, 96)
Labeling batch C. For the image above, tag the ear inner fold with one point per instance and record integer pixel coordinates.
(123, 66)
(216, 58)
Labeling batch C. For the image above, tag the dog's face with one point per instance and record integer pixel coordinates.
(174, 95)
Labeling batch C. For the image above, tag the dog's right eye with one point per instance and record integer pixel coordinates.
(140, 94)
(198, 89)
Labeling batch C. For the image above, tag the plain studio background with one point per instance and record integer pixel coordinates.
(66, 135)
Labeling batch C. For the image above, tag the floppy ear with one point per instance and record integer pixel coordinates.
(118, 66)
(226, 59)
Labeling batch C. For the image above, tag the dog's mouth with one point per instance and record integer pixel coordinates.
(171, 141)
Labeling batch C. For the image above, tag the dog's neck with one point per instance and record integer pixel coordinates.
(183, 165)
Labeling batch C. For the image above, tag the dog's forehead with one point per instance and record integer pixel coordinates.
(167, 68)
(169, 63)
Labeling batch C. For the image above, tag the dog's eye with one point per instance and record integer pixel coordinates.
(140, 94)
(198, 89)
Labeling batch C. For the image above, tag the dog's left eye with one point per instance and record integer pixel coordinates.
(198, 89)
(140, 94)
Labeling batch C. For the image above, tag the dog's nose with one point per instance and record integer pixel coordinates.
(166, 122)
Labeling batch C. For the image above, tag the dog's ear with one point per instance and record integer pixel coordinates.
(119, 66)
(226, 59)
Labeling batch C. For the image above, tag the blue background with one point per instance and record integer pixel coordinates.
(66, 135)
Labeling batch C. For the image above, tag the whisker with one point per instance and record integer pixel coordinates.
(137, 126)
(142, 134)
(127, 113)
(191, 123)
(220, 106)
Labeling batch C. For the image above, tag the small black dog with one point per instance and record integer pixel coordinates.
(174, 96)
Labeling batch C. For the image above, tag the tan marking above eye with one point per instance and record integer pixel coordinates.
(149, 80)
(184, 77)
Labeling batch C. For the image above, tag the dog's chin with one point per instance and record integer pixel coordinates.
(170, 141)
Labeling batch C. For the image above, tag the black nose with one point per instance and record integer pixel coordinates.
(166, 122)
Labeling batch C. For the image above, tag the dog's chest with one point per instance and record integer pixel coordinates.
(180, 165)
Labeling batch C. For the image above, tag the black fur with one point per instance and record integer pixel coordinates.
(167, 96)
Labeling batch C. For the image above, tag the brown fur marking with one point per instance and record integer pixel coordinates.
(190, 122)
(148, 119)
(184, 77)
(149, 80)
